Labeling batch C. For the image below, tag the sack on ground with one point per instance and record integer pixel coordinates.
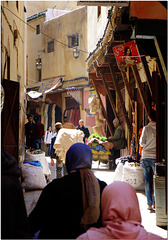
(39, 157)
(33, 177)
(134, 176)
(118, 172)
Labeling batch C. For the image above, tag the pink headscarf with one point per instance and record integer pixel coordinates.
(121, 216)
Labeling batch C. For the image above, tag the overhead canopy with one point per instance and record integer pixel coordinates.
(45, 87)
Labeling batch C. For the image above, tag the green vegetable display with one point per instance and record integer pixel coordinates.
(95, 135)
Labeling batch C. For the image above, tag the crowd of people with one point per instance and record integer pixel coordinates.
(34, 132)
(77, 205)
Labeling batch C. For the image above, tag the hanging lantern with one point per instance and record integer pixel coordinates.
(38, 63)
(76, 53)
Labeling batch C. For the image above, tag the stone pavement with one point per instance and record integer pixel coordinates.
(101, 171)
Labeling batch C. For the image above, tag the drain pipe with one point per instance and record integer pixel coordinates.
(157, 49)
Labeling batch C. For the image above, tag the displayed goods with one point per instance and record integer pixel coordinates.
(65, 139)
(38, 155)
(101, 117)
(99, 151)
(94, 103)
(33, 177)
(131, 172)
(98, 130)
(98, 121)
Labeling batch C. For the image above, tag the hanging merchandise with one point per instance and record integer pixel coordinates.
(58, 114)
(45, 117)
(49, 114)
(53, 117)
(73, 115)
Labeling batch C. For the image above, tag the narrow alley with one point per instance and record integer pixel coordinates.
(102, 172)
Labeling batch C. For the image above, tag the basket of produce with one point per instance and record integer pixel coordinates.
(99, 151)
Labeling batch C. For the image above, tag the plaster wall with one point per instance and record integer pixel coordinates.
(34, 7)
(62, 61)
(34, 49)
(95, 25)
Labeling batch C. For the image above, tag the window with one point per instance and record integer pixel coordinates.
(73, 40)
(98, 11)
(37, 29)
(50, 46)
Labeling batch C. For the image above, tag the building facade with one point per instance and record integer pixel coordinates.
(13, 76)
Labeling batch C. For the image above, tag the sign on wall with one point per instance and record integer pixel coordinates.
(126, 54)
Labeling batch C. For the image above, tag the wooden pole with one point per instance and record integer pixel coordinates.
(125, 80)
(109, 95)
(120, 97)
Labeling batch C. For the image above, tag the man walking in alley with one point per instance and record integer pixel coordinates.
(38, 132)
(67, 124)
(28, 132)
(84, 129)
(148, 142)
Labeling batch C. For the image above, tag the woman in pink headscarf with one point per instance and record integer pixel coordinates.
(121, 216)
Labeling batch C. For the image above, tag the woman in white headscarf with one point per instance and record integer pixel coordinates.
(121, 217)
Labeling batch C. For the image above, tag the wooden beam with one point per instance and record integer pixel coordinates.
(149, 79)
(103, 109)
(124, 76)
(98, 77)
(109, 95)
(104, 69)
(120, 98)
(140, 88)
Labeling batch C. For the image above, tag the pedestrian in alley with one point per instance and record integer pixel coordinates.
(84, 129)
(121, 217)
(28, 132)
(38, 133)
(53, 155)
(68, 206)
(67, 124)
(14, 223)
(47, 139)
(118, 139)
(148, 142)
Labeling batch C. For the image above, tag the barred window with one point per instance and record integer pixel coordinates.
(50, 46)
(73, 40)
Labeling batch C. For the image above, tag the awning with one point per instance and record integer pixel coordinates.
(46, 87)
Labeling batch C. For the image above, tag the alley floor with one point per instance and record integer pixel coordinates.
(103, 173)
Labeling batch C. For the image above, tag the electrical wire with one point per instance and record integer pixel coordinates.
(41, 32)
